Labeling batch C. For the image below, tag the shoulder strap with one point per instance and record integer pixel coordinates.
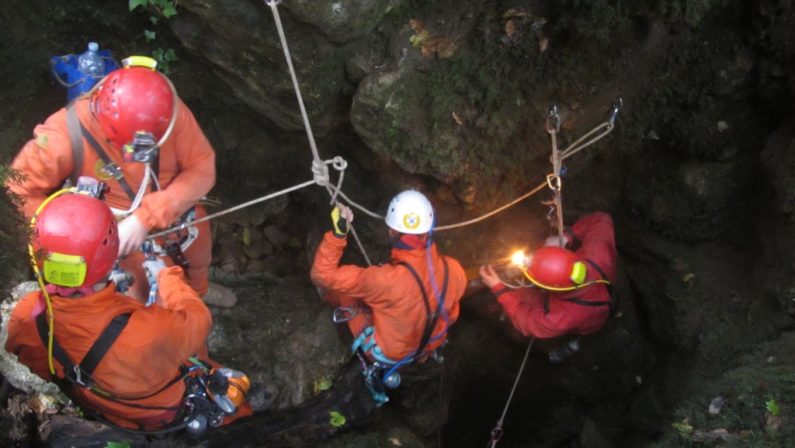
(76, 134)
(76, 138)
(579, 301)
(103, 343)
(118, 174)
(432, 317)
(81, 373)
(613, 298)
(57, 351)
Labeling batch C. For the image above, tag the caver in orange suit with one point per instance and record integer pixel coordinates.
(113, 355)
(389, 298)
(146, 356)
(186, 173)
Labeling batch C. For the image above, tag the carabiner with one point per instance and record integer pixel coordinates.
(618, 103)
(343, 314)
(554, 182)
(553, 120)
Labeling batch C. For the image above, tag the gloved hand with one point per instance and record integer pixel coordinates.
(132, 234)
(153, 267)
(341, 217)
(489, 276)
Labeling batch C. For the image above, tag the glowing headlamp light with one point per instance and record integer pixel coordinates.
(520, 259)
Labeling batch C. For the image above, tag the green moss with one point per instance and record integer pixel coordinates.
(766, 376)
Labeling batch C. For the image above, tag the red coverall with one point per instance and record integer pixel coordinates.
(186, 173)
(525, 306)
(145, 357)
(390, 292)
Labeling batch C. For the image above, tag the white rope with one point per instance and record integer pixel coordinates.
(496, 432)
(493, 212)
(333, 192)
(148, 174)
(232, 209)
(273, 4)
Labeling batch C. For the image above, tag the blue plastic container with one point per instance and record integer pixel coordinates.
(65, 70)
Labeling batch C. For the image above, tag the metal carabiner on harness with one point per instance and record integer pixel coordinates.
(78, 376)
(343, 314)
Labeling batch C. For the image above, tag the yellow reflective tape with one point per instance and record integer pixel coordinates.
(578, 272)
(139, 61)
(65, 270)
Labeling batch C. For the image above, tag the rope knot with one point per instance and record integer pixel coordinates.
(339, 163)
(320, 171)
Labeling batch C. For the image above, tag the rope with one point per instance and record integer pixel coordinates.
(273, 4)
(496, 432)
(495, 211)
(321, 173)
(232, 209)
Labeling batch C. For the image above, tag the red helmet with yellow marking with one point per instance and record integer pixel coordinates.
(133, 100)
(75, 240)
(556, 269)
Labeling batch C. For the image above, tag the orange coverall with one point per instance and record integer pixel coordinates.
(145, 357)
(186, 174)
(393, 296)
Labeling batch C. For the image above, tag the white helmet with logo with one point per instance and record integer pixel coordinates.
(410, 212)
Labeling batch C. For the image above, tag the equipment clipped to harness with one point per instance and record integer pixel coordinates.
(378, 377)
(210, 395)
(121, 278)
(151, 277)
(177, 240)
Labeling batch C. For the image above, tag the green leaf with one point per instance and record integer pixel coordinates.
(772, 407)
(149, 35)
(117, 445)
(136, 3)
(684, 427)
(324, 383)
(169, 11)
(154, 19)
(170, 55)
(337, 419)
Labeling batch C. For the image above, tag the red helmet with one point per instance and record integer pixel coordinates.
(75, 240)
(555, 268)
(134, 99)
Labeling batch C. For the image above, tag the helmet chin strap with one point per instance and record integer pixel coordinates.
(562, 289)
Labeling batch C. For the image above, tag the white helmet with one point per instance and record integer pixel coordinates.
(410, 212)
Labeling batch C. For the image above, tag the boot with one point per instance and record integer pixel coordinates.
(564, 352)
(221, 296)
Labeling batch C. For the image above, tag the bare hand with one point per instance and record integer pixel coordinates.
(489, 276)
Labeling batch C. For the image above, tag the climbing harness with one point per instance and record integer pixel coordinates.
(382, 373)
(497, 432)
